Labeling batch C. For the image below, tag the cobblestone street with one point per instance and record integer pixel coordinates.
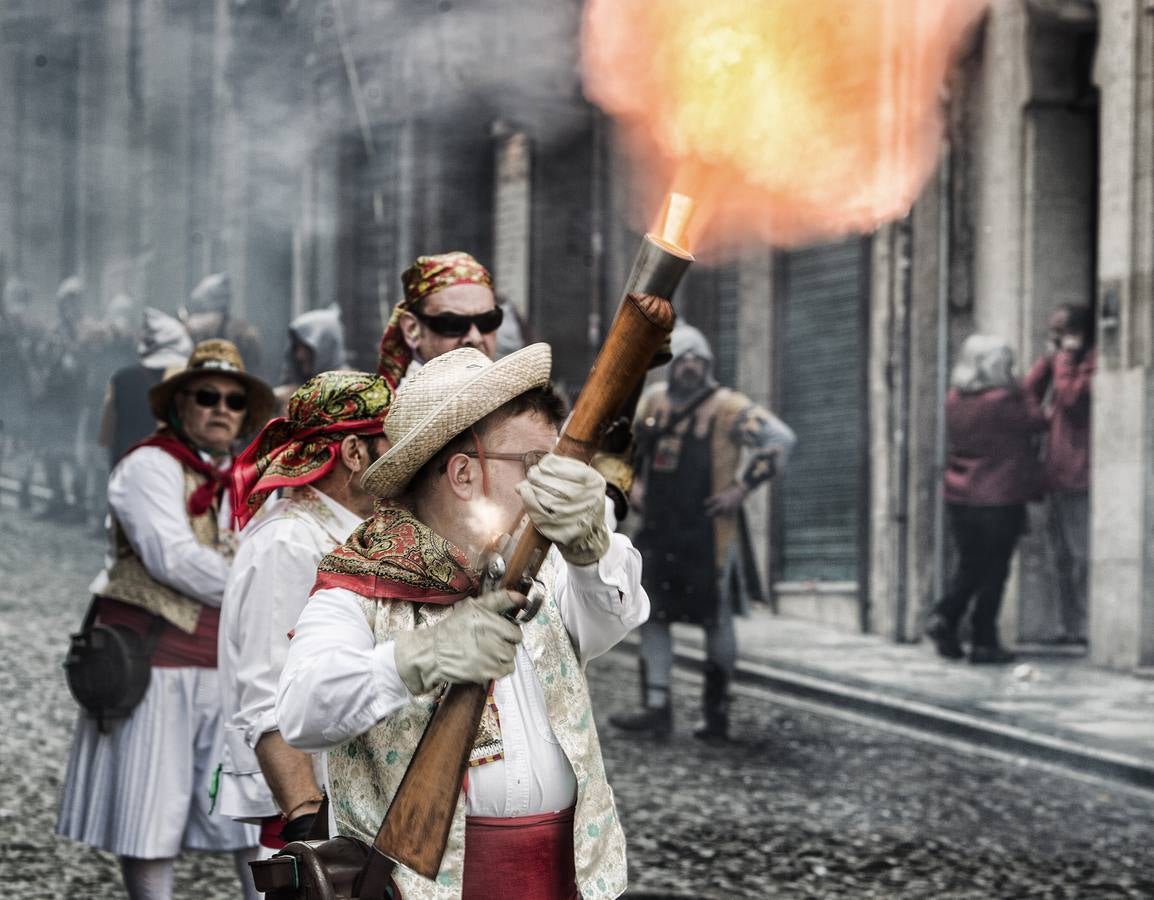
(801, 805)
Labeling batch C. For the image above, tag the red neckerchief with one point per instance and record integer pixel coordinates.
(217, 480)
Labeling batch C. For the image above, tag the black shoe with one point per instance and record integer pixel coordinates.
(995, 655)
(655, 720)
(714, 705)
(714, 730)
(945, 638)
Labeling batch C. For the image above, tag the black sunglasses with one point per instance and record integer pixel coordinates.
(454, 325)
(210, 397)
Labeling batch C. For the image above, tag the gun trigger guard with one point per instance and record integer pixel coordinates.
(535, 596)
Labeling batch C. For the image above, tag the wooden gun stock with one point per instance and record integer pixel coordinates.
(416, 829)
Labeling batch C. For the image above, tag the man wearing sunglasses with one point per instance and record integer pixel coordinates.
(448, 303)
(172, 543)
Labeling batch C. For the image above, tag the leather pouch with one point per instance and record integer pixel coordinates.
(108, 667)
(340, 868)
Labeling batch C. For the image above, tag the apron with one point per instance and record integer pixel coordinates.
(676, 539)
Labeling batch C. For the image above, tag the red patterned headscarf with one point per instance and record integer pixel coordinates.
(423, 278)
(303, 447)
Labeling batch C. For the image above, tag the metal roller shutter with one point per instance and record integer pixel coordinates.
(823, 358)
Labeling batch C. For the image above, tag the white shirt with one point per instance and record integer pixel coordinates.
(338, 682)
(146, 495)
(272, 575)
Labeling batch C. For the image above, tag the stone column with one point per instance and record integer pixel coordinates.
(1122, 476)
(757, 364)
(511, 220)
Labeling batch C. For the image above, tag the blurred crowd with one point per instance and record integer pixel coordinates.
(77, 384)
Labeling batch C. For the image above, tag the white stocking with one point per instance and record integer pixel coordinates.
(147, 879)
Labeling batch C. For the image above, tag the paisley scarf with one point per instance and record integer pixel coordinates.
(393, 556)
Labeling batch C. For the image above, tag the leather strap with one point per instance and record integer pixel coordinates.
(90, 616)
(152, 638)
(375, 878)
(320, 829)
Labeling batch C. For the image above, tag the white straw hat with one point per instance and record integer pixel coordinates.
(450, 393)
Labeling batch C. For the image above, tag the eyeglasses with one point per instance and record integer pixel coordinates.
(210, 397)
(527, 460)
(455, 325)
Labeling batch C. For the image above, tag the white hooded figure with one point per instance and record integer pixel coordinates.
(316, 344)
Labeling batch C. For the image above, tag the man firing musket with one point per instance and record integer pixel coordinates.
(398, 613)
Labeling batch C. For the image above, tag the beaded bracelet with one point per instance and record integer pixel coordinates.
(317, 799)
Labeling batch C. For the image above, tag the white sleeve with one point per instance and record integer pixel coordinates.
(266, 591)
(602, 602)
(337, 682)
(146, 494)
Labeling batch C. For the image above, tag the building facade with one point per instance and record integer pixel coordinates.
(311, 148)
(1044, 196)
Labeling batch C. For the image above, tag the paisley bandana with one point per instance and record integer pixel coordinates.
(394, 556)
(423, 278)
(303, 447)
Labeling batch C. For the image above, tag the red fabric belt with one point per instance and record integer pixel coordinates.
(525, 857)
(176, 648)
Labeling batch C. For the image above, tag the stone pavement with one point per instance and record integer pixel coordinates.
(1050, 706)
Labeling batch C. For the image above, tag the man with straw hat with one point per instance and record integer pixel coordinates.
(316, 454)
(399, 612)
(139, 777)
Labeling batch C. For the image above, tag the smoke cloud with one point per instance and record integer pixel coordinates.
(786, 122)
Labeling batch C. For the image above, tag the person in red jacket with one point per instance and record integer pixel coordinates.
(991, 473)
(1061, 381)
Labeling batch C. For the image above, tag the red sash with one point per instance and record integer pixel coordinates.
(529, 856)
(175, 649)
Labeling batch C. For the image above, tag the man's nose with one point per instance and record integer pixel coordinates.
(472, 338)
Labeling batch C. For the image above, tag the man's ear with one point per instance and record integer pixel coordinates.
(410, 329)
(462, 476)
(353, 454)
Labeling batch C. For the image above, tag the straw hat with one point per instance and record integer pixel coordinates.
(448, 394)
(214, 357)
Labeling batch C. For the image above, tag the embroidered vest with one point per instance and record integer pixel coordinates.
(364, 773)
(130, 582)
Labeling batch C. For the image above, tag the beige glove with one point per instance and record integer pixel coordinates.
(474, 644)
(565, 500)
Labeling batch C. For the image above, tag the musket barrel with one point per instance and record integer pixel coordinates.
(657, 269)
